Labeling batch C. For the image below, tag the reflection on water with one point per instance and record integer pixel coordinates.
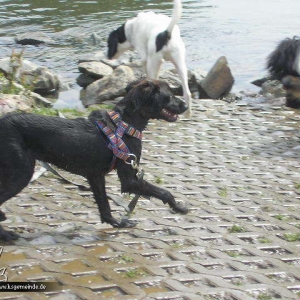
(242, 30)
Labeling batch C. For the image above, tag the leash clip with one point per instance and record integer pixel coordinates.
(133, 161)
(135, 166)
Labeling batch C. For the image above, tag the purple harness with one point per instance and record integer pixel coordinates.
(116, 143)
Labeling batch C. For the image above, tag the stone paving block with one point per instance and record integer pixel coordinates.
(238, 171)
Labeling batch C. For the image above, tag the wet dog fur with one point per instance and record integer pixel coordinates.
(283, 64)
(285, 59)
(76, 145)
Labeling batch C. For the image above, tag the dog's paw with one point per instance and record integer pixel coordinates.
(125, 222)
(7, 235)
(110, 220)
(180, 208)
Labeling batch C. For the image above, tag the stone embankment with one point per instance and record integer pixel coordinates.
(234, 165)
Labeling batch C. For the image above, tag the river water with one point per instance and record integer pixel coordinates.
(245, 31)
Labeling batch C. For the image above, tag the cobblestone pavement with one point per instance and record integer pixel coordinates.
(237, 168)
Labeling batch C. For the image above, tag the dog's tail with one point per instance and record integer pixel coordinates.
(163, 38)
(285, 59)
(177, 9)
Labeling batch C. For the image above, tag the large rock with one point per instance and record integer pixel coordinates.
(37, 78)
(84, 80)
(172, 78)
(10, 103)
(33, 38)
(259, 82)
(92, 71)
(95, 69)
(109, 87)
(218, 81)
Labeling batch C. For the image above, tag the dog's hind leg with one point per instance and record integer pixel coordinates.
(97, 184)
(153, 67)
(16, 170)
(179, 63)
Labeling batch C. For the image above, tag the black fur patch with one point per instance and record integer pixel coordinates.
(162, 40)
(281, 61)
(121, 34)
(117, 36)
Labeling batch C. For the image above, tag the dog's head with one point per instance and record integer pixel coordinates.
(116, 43)
(152, 99)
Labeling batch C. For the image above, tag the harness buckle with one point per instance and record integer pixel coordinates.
(133, 161)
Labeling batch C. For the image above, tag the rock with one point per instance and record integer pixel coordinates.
(125, 59)
(137, 68)
(273, 88)
(37, 98)
(43, 80)
(84, 80)
(109, 87)
(33, 38)
(259, 82)
(92, 69)
(97, 56)
(40, 100)
(95, 69)
(172, 78)
(291, 84)
(195, 78)
(10, 103)
(37, 78)
(218, 81)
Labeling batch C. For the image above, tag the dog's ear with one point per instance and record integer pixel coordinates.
(143, 92)
(112, 45)
(134, 83)
(117, 36)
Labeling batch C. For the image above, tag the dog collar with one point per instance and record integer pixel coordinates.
(116, 143)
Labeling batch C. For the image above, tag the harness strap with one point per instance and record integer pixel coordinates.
(116, 143)
(130, 130)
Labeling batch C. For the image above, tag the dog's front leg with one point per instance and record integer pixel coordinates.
(97, 184)
(146, 189)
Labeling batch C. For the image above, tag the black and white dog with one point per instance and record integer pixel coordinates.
(156, 38)
(283, 64)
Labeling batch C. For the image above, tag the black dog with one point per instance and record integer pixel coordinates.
(79, 147)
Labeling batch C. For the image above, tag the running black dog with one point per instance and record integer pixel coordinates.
(79, 147)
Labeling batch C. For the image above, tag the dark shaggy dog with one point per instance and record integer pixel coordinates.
(285, 59)
(283, 64)
(78, 147)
